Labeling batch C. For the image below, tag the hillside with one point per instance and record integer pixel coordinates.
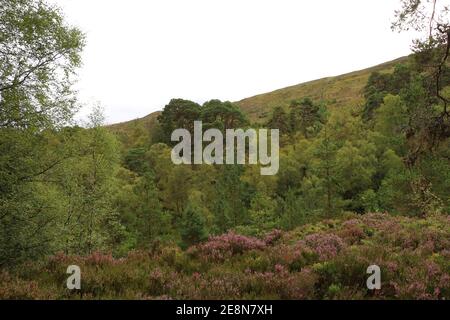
(131, 133)
(336, 91)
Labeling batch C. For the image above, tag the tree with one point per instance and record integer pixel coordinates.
(28, 220)
(192, 226)
(431, 19)
(325, 168)
(87, 183)
(305, 116)
(135, 160)
(231, 198)
(355, 168)
(175, 191)
(151, 223)
(39, 54)
(292, 214)
(179, 113)
(263, 213)
(391, 121)
(222, 115)
(279, 120)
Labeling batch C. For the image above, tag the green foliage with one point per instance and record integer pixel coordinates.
(391, 120)
(381, 84)
(151, 222)
(279, 120)
(263, 213)
(39, 54)
(222, 115)
(181, 113)
(87, 185)
(193, 228)
(294, 210)
(178, 113)
(305, 116)
(135, 160)
(230, 199)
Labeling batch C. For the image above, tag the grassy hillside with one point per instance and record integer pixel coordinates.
(134, 132)
(336, 91)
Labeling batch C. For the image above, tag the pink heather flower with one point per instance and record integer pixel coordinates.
(391, 266)
(223, 246)
(325, 245)
(432, 269)
(272, 236)
(280, 268)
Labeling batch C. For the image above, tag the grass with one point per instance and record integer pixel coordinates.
(343, 90)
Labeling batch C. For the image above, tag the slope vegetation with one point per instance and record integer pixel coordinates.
(336, 91)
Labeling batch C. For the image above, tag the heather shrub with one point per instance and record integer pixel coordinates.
(219, 248)
(272, 237)
(280, 284)
(327, 260)
(325, 245)
(352, 231)
(14, 288)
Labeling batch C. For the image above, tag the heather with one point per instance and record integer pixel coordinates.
(326, 260)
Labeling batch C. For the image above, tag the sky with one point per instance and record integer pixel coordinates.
(142, 53)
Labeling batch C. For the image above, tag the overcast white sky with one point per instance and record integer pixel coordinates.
(142, 53)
